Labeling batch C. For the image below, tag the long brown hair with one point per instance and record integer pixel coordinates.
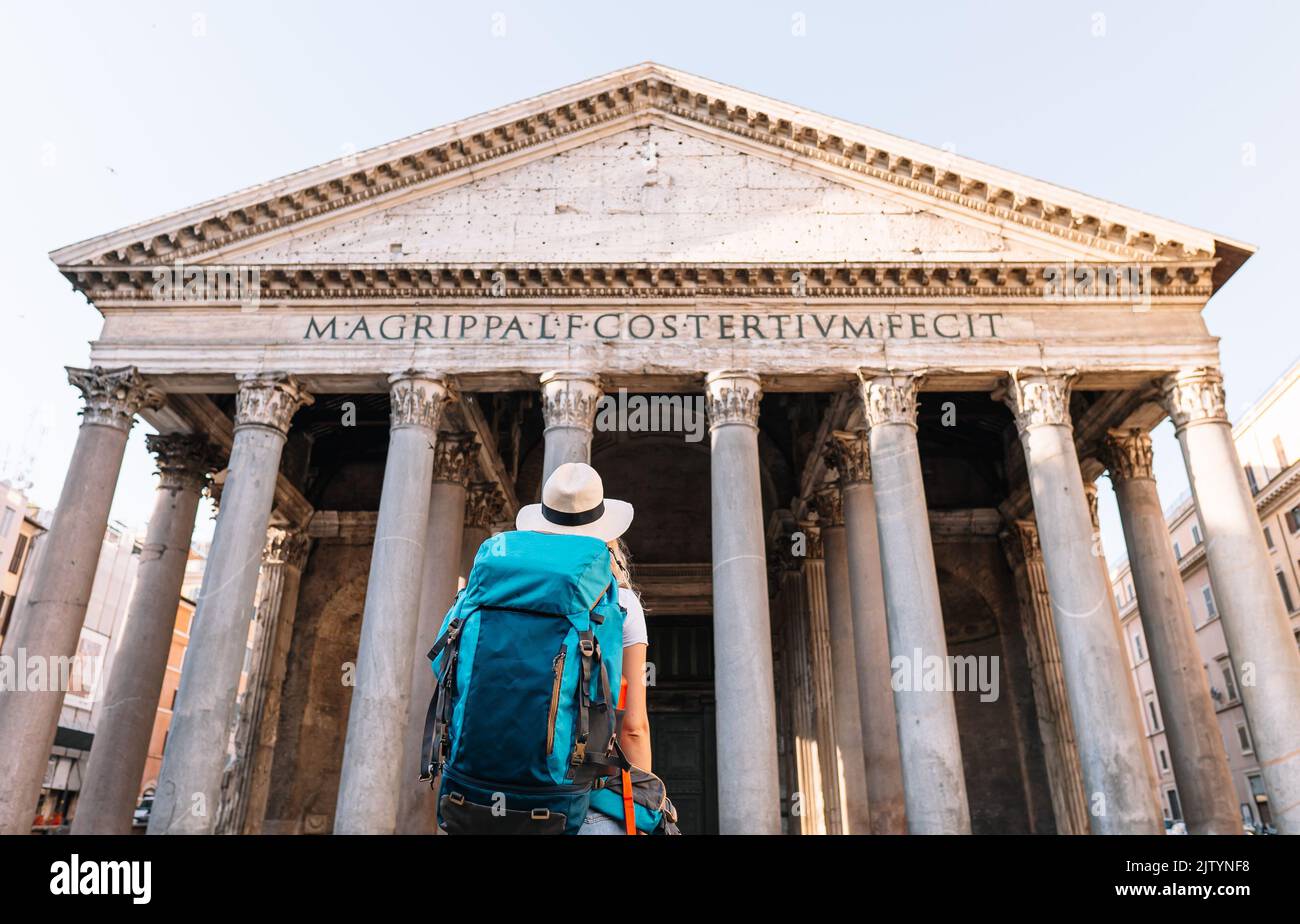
(620, 560)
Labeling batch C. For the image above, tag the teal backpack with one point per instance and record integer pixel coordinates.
(522, 725)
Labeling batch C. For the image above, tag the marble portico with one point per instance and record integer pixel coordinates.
(918, 354)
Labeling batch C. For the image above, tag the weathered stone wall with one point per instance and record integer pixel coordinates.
(314, 709)
(1006, 778)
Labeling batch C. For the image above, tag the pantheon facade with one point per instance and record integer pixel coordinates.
(877, 598)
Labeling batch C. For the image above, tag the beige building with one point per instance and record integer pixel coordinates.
(1266, 440)
(875, 601)
(18, 530)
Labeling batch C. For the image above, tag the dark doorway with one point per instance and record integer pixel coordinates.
(681, 709)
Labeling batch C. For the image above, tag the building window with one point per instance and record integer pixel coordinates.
(1153, 714)
(1164, 760)
(1178, 552)
(1229, 679)
(1208, 596)
(1243, 739)
(1196, 534)
(1293, 519)
(1128, 591)
(7, 521)
(1175, 808)
(20, 548)
(1280, 450)
(1260, 795)
(6, 607)
(1250, 477)
(1268, 537)
(1286, 591)
(1138, 653)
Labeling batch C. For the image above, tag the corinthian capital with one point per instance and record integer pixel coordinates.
(890, 398)
(1039, 398)
(569, 399)
(1194, 396)
(847, 453)
(286, 547)
(416, 399)
(483, 504)
(113, 396)
(829, 504)
(269, 400)
(1127, 454)
(733, 397)
(453, 457)
(184, 460)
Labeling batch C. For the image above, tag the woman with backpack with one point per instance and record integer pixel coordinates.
(573, 502)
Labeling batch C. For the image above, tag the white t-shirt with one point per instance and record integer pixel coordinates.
(634, 630)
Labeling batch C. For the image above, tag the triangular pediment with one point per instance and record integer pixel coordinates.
(648, 165)
(649, 194)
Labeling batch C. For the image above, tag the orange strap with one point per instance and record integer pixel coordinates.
(629, 812)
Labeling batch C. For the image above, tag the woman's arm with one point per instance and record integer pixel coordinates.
(634, 737)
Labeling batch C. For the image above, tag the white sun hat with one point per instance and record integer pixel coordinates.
(574, 502)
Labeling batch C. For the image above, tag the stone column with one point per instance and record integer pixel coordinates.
(453, 461)
(749, 794)
(569, 402)
(829, 779)
(49, 626)
(483, 506)
(130, 705)
(189, 784)
(1055, 726)
(934, 784)
(849, 455)
(282, 562)
(372, 756)
(1200, 764)
(851, 764)
(1251, 610)
(1112, 746)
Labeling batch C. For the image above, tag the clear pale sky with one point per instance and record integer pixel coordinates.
(116, 113)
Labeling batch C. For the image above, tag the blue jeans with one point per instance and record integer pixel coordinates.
(600, 823)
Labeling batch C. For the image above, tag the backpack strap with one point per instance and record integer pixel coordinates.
(587, 650)
(433, 755)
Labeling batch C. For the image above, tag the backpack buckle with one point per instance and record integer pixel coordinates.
(540, 814)
(587, 647)
(579, 753)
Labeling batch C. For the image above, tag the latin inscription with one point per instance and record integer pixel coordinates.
(627, 326)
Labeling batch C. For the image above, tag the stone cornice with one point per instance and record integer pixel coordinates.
(643, 95)
(1191, 279)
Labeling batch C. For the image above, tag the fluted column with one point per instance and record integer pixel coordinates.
(130, 706)
(1055, 725)
(49, 626)
(830, 781)
(453, 462)
(1251, 611)
(283, 561)
(188, 797)
(1112, 747)
(569, 402)
(852, 770)
(749, 795)
(1200, 764)
(372, 757)
(934, 784)
(849, 455)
